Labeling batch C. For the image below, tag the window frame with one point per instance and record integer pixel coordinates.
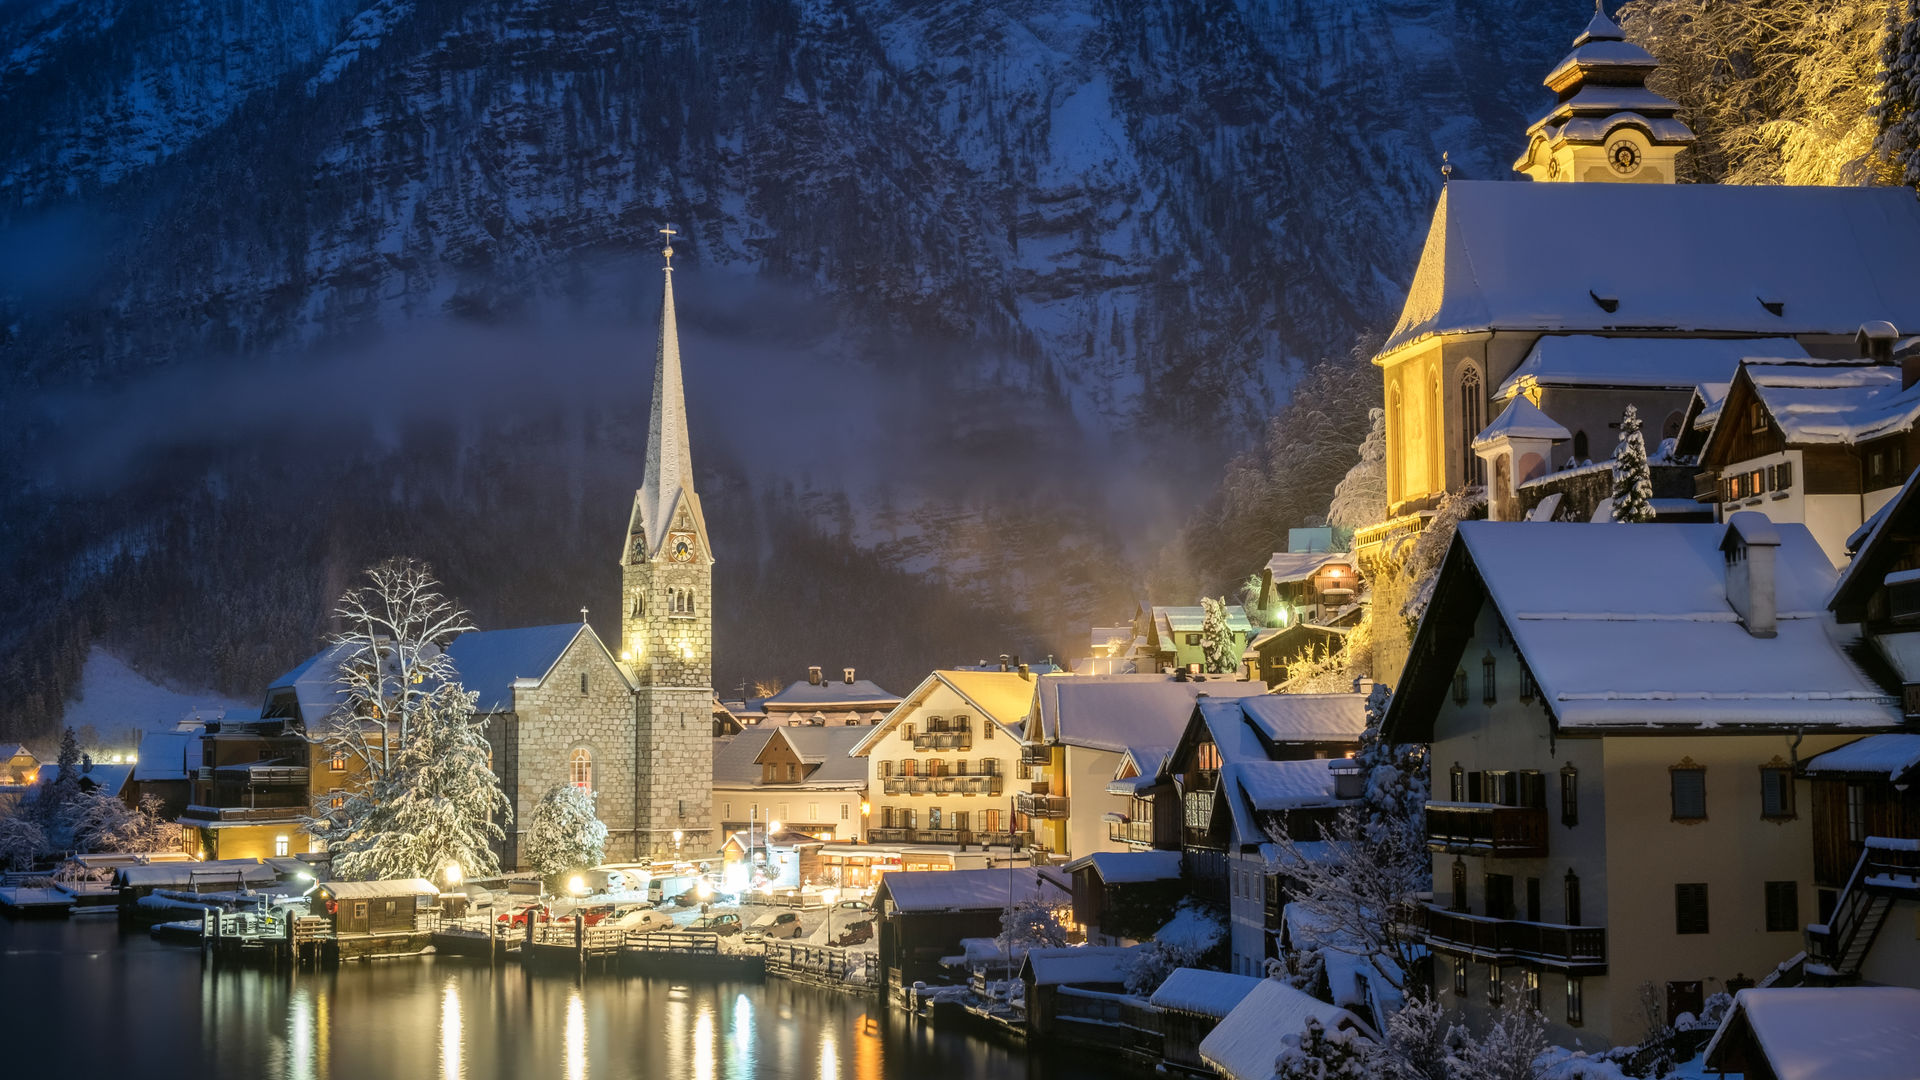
(1569, 795)
(1496, 990)
(579, 762)
(1781, 903)
(1689, 922)
(1576, 1001)
(1673, 789)
(1786, 811)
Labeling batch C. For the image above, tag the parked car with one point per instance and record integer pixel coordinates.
(775, 924)
(853, 905)
(644, 920)
(724, 924)
(604, 880)
(534, 912)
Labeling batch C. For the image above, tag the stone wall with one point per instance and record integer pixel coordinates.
(676, 740)
(555, 719)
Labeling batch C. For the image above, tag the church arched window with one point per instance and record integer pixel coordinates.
(1472, 419)
(580, 768)
(639, 603)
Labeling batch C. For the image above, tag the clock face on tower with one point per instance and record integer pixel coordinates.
(680, 547)
(1624, 157)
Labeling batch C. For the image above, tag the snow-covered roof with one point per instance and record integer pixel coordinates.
(1639, 362)
(1003, 697)
(1825, 1032)
(736, 757)
(1643, 636)
(829, 748)
(1191, 619)
(1246, 1042)
(1081, 965)
(1283, 785)
(1300, 565)
(932, 891)
(111, 779)
(832, 693)
(1295, 718)
(368, 890)
(1521, 419)
(163, 755)
(1889, 757)
(1830, 257)
(490, 661)
(1130, 867)
(181, 874)
(1115, 712)
(1876, 549)
(1834, 403)
(314, 683)
(1209, 993)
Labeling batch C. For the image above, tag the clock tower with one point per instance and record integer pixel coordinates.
(1607, 126)
(666, 624)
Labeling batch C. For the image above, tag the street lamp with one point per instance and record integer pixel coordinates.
(676, 844)
(577, 885)
(454, 877)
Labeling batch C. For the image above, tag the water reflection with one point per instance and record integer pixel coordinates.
(169, 1016)
(450, 1032)
(576, 1036)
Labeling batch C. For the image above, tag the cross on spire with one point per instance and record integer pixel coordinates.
(668, 250)
(583, 613)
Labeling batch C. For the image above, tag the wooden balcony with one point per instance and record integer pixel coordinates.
(937, 836)
(1138, 833)
(1577, 950)
(1503, 832)
(1040, 805)
(943, 740)
(252, 814)
(977, 784)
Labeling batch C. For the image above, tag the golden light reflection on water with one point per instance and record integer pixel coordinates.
(576, 1036)
(829, 1055)
(450, 1066)
(703, 1038)
(300, 1035)
(866, 1048)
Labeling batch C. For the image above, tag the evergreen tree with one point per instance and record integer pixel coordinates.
(1319, 1054)
(55, 798)
(1898, 109)
(1632, 476)
(1218, 650)
(564, 833)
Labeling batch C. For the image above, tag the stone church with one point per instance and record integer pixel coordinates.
(1598, 281)
(632, 721)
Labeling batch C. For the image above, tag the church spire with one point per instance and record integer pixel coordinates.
(669, 473)
(1606, 125)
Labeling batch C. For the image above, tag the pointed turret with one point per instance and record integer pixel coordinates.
(1607, 125)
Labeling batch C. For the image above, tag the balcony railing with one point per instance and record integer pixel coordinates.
(937, 836)
(1040, 805)
(1036, 754)
(1706, 486)
(1131, 832)
(1513, 832)
(1886, 869)
(943, 740)
(243, 813)
(985, 784)
(1580, 949)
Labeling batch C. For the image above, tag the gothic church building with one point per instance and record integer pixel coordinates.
(632, 721)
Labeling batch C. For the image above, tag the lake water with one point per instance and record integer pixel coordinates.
(81, 997)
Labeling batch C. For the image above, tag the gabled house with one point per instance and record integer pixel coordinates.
(1244, 769)
(820, 701)
(1825, 443)
(944, 769)
(1613, 754)
(1176, 638)
(1077, 732)
(1307, 586)
(923, 916)
(1819, 1033)
(804, 777)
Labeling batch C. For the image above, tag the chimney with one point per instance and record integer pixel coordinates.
(1025, 672)
(1363, 686)
(849, 676)
(813, 676)
(1006, 662)
(1749, 547)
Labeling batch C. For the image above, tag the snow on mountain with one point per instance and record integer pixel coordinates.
(113, 700)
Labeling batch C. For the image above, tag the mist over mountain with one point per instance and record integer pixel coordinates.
(975, 298)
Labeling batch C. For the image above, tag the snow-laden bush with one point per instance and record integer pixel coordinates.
(1032, 923)
(101, 823)
(1319, 1054)
(564, 833)
(1193, 932)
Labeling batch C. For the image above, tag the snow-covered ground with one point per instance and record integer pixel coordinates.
(115, 700)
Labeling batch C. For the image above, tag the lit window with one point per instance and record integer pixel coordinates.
(338, 762)
(281, 846)
(1576, 1001)
(1495, 991)
(1530, 986)
(580, 768)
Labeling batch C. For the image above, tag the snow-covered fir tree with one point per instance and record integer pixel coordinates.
(1421, 569)
(1898, 109)
(1360, 498)
(1218, 650)
(1372, 863)
(1319, 1054)
(1632, 476)
(564, 833)
(54, 798)
(428, 798)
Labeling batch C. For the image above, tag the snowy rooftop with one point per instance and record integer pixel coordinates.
(1661, 363)
(111, 779)
(163, 755)
(1245, 1044)
(1284, 718)
(1644, 634)
(1890, 757)
(1130, 867)
(1209, 993)
(1283, 785)
(1521, 419)
(1835, 403)
(363, 890)
(1081, 965)
(489, 661)
(1830, 257)
(1190, 619)
(1300, 565)
(176, 874)
(1004, 698)
(932, 891)
(1823, 1033)
(736, 757)
(1115, 712)
(832, 692)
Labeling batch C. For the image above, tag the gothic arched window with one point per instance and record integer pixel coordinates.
(639, 603)
(580, 768)
(1472, 419)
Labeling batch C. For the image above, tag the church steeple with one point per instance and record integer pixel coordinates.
(1607, 126)
(669, 474)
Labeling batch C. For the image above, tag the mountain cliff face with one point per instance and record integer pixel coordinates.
(983, 288)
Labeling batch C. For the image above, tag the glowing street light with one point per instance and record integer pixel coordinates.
(577, 885)
(454, 876)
